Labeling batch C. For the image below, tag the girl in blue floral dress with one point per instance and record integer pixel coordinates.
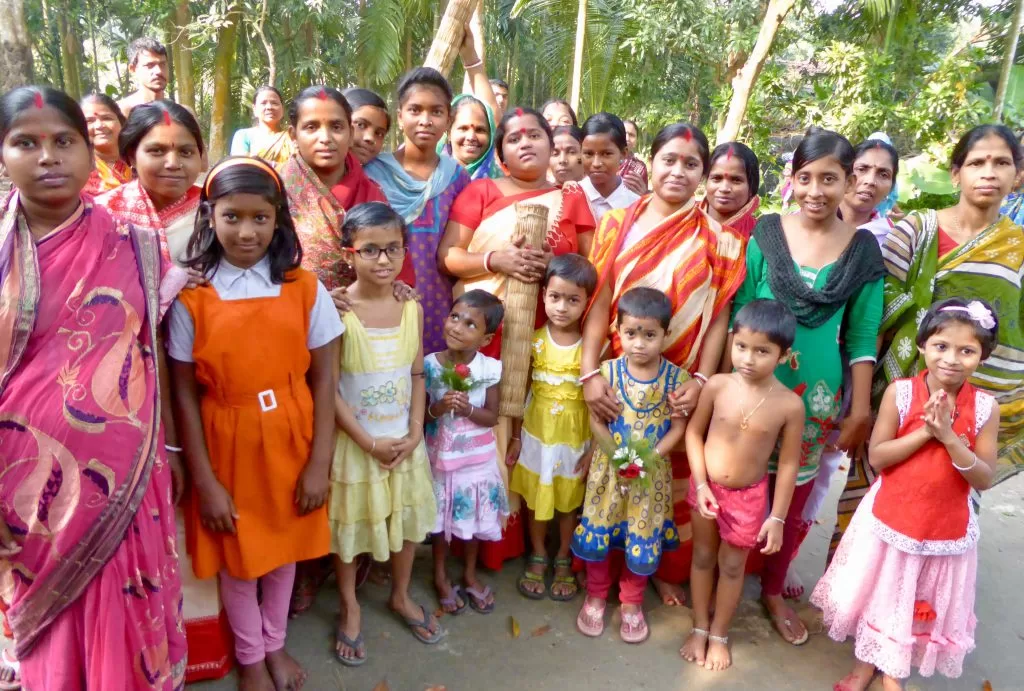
(633, 517)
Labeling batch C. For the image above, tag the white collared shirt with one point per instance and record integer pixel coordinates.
(620, 198)
(233, 283)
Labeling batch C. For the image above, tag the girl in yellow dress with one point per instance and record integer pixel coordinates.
(551, 451)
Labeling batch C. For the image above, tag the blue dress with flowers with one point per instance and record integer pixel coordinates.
(637, 520)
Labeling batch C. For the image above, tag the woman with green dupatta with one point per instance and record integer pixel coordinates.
(967, 251)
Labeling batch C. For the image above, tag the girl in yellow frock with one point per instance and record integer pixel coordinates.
(551, 450)
(633, 518)
(382, 495)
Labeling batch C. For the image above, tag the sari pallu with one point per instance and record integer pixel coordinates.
(107, 176)
(273, 148)
(744, 220)
(173, 224)
(989, 267)
(698, 263)
(319, 211)
(83, 483)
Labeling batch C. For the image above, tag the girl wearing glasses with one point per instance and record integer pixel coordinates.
(382, 496)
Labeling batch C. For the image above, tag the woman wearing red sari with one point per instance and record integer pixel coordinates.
(731, 198)
(162, 142)
(476, 249)
(88, 561)
(666, 241)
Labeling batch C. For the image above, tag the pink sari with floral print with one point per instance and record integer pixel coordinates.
(94, 594)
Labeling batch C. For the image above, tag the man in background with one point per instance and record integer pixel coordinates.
(147, 63)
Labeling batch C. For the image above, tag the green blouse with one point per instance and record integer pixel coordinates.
(815, 370)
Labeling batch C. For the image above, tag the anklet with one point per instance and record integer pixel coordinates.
(724, 640)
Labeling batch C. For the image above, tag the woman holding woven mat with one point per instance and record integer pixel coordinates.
(968, 251)
(830, 275)
(477, 250)
(666, 241)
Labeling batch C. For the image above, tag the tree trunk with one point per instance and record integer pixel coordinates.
(476, 23)
(445, 46)
(1008, 56)
(91, 19)
(15, 46)
(744, 80)
(577, 57)
(267, 45)
(70, 55)
(183, 56)
(223, 61)
(52, 43)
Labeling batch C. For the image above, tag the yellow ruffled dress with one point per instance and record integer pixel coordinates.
(555, 433)
(373, 510)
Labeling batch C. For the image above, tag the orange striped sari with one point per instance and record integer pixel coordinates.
(698, 263)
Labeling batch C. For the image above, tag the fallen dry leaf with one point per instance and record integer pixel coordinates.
(438, 613)
(382, 685)
(540, 631)
(435, 688)
(514, 625)
(986, 685)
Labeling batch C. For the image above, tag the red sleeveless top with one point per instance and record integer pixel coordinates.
(922, 505)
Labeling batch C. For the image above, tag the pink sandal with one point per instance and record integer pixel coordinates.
(634, 627)
(590, 621)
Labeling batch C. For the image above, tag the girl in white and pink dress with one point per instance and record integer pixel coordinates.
(903, 579)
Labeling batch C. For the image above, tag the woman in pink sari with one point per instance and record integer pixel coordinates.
(162, 142)
(88, 561)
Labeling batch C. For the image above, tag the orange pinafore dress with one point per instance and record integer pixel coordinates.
(251, 359)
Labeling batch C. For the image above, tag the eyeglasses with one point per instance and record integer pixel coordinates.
(372, 252)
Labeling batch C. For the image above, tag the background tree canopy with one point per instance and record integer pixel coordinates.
(922, 70)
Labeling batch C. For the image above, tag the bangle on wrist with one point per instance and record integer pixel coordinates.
(964, 470)
(474, 65)
(470, 413)
(373, 447)
(172, 449)
(777, 519)
(701, 486)
(487, 261)
(590, 375)
(700, 379)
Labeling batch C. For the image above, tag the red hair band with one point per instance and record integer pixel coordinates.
(240, 161)
(37, 99)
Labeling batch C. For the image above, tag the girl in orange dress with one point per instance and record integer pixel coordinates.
(253, 353)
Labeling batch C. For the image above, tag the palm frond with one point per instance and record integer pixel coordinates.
(379, 40)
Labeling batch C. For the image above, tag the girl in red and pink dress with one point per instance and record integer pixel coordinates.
(903, 579)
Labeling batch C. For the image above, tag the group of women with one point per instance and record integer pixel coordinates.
(86, 488)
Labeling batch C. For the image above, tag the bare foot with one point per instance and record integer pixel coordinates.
(785, 619)
(255, 677)
(793, 588)
(450, 599)
(350, 625)
(287, 673)
(891, 684)
(695, 647)
(857, 680)
(671, 594)
(718, 657)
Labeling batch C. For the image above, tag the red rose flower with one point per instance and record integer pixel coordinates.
(629, 472)
(462, 371)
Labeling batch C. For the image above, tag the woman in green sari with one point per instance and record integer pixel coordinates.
(968, 251)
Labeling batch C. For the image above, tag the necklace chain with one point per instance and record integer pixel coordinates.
(746, 416)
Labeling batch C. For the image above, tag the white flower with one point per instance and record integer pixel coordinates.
(822, 399)
(643, 473)
(638, 462)
(904, 348)
(621, 454)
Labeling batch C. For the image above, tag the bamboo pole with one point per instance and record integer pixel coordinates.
(448, 39)
(520, 315)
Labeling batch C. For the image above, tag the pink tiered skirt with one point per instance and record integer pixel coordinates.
(903, 610)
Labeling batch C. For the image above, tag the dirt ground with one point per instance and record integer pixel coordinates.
(479, 652)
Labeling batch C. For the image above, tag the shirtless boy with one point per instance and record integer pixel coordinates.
(748, 411)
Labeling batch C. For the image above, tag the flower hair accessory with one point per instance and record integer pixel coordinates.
(977, 312)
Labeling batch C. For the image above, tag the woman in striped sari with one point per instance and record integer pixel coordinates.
(666, 241)
(967, 251)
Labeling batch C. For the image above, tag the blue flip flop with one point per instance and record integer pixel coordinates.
(357, 644)
(478, 597)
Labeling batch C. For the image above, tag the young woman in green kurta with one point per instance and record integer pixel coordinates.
(830, 275)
